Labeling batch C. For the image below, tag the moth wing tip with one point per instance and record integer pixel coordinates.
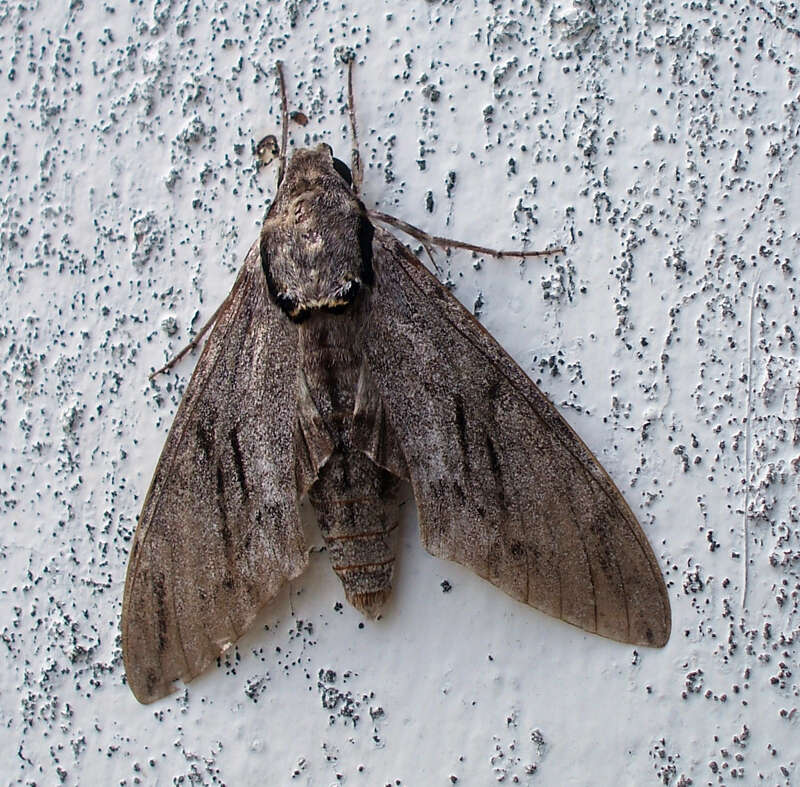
(145, 695)
(653, 637)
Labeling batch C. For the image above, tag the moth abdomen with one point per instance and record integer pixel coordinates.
(364, 562)
(357, 523)
(368, 591)
(350, 491)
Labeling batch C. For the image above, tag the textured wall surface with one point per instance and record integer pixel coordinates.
(657, 141)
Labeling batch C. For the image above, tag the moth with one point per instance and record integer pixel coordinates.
(338, 365)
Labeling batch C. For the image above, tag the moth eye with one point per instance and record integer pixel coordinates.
(286, 302)
(349, 290)
(343, 170)
(328, 148)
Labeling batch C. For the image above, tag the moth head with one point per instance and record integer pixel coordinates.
(316, 240)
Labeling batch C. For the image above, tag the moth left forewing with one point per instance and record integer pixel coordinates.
(219, 531)
(502, 483)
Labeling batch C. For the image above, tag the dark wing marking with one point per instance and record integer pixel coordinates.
(219, 531)
(502, 483)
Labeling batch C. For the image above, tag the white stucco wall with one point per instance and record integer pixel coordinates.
(658, 141)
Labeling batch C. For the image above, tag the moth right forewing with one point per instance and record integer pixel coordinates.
(219, 531)
(502, 483)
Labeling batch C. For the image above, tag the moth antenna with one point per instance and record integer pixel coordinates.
(355, 156)
(201, 333)
(449, 243)
(284, 122)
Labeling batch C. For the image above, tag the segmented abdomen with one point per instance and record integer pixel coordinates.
(351, 492)
(350, 499)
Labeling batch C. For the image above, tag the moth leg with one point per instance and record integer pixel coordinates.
(284, 122)
(355, 156)
(429, 252)
(448, 243)
(201, 333)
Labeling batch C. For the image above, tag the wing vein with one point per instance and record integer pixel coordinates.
(586, 556)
